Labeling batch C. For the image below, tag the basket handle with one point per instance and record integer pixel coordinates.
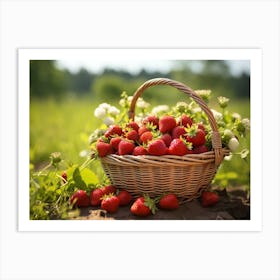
(216, 138)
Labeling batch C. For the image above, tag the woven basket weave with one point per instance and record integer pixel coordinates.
(185, 176)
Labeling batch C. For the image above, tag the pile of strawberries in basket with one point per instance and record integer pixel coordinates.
(154, 136)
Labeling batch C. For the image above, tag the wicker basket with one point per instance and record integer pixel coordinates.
(186, 176)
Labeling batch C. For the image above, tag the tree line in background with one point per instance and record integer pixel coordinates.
(47, 80)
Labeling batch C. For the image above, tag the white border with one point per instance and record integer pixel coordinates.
(254, 55)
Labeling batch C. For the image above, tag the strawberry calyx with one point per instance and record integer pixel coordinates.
(150, 203)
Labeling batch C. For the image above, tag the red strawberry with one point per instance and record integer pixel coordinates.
(125, 148)
(178, 147)
(139, 151)
(166, 124)
(104, 149)
(201, 126)
(153, 120)
(133, 125)
(200, 149)
(196, 136)
(80, 199)
(185, 121)
(96, 197)
(178, 131)
(146, 137)
(132, 135)
(115, 142)
(113, 130)
(169, 202)
(110, 203)
(124, 197)
(166, 139)
(143, 206)
(108, 189)
(64, 177)
(209, 198)
(142, 129)
(157, 148)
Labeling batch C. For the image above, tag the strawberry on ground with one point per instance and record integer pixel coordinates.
(166, 124)
(157, 148)
(108, 189)
(80, 199)
(125, 147)
(110, 203)
(209, 198)
(143, 206)
(169, 202)
(96, 197)
(124, 197)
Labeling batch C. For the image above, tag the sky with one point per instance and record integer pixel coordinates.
(134, 66)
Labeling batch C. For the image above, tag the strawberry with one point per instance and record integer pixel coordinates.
(143, 206)
(64, 177)
(178, 147)
(146, 137)
(103, 148)
(200, 149)
(157, 148)
(110, 203)
(166, 124)
(166, 137)
(177, 131)
(133, 125)
(113, 130)
(209, 198)
(185, 121)
(196, 136)
(125, 147)
(80, 199)
(169, 202)
(153, 120)
(108, 189)
(132, 135)
(143, 129)
(201, 126)
(96, 197)
(124, 197)
(115, 141)
(139, 151)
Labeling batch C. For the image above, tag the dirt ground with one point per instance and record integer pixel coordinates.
(233, 205)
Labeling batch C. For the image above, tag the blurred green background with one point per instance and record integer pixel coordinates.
(63, 99)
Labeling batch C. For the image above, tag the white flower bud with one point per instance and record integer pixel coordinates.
(108, 121)
(100, 113)
(233, 144)
(105, 106)
(160, 109)
(217, 115)
(113, 111)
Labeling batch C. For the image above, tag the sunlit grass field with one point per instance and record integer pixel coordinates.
(65, 126)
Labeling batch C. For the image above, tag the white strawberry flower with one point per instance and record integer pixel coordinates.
(100, 113)
(217, 115)
(108, 121)
(235, 116)
(142, 104)
(233, 144)
(113, 111)
(246, 124)
(160, 109)
(105, 106)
